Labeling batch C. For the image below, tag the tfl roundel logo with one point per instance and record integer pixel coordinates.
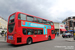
(48, 26)
(23, 22)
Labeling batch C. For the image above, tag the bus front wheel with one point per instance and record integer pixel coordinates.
(29, 41)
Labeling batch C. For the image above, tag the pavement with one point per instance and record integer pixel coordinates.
(58, 43)
(70, 40)
(2, 39)
(0, 36)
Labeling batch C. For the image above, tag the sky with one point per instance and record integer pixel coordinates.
(55, 10)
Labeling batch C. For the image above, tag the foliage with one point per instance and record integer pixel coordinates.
(3, 31)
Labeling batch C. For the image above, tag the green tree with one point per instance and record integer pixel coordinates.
(3, 31)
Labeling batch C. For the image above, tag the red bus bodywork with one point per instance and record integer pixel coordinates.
(17, 37)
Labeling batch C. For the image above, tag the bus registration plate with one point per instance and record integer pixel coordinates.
(10, 37)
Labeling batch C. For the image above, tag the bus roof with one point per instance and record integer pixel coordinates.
(33, 16)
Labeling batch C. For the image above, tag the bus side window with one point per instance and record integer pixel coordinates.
(35, 32)
(24, 31)
(35, 19)
(48, 22)
(30, 31)
(22, 16)
(29, 18)
(40, 31)
(51, 23)
(39, 20)
(44, 21)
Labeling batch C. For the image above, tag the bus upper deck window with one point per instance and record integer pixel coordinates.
(29, 18)
(51, 23)
(35, 19)
(44, 21)
(48, 22)
(22, 16)
(39, 20)
(12, 17)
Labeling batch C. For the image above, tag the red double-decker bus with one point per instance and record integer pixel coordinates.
(24, 28)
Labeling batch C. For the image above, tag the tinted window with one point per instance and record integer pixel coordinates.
(22, 16)
(35, 19)
(12, 17)
(44, 21)
(24, 31)
(11, 27)
(52, 31)
(48, 22)
(29, 18)
(40, 31)
(35, 32)
(30, 31)
(74, 24)
(68, 33)
(64, 33)
(39, 20)
(51, 23)
(11, 21)
(70, 23)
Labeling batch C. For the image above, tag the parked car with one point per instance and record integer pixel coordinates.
(66, 35)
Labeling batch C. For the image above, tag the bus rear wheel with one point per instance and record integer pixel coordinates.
(49, 38)
(29, 41)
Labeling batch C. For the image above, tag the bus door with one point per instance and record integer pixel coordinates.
(49, 32)
(35, 36)
(53, 34)
(40, 34)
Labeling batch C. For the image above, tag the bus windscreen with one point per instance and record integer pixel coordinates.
(12, 17)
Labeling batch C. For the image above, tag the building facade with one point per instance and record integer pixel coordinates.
(3, 25)
(56, 25)
(59, 27)
(69, 23)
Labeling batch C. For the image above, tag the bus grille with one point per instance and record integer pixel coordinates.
(18, 39)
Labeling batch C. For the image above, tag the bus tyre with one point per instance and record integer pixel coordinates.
(29, 41)
(49, 38)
